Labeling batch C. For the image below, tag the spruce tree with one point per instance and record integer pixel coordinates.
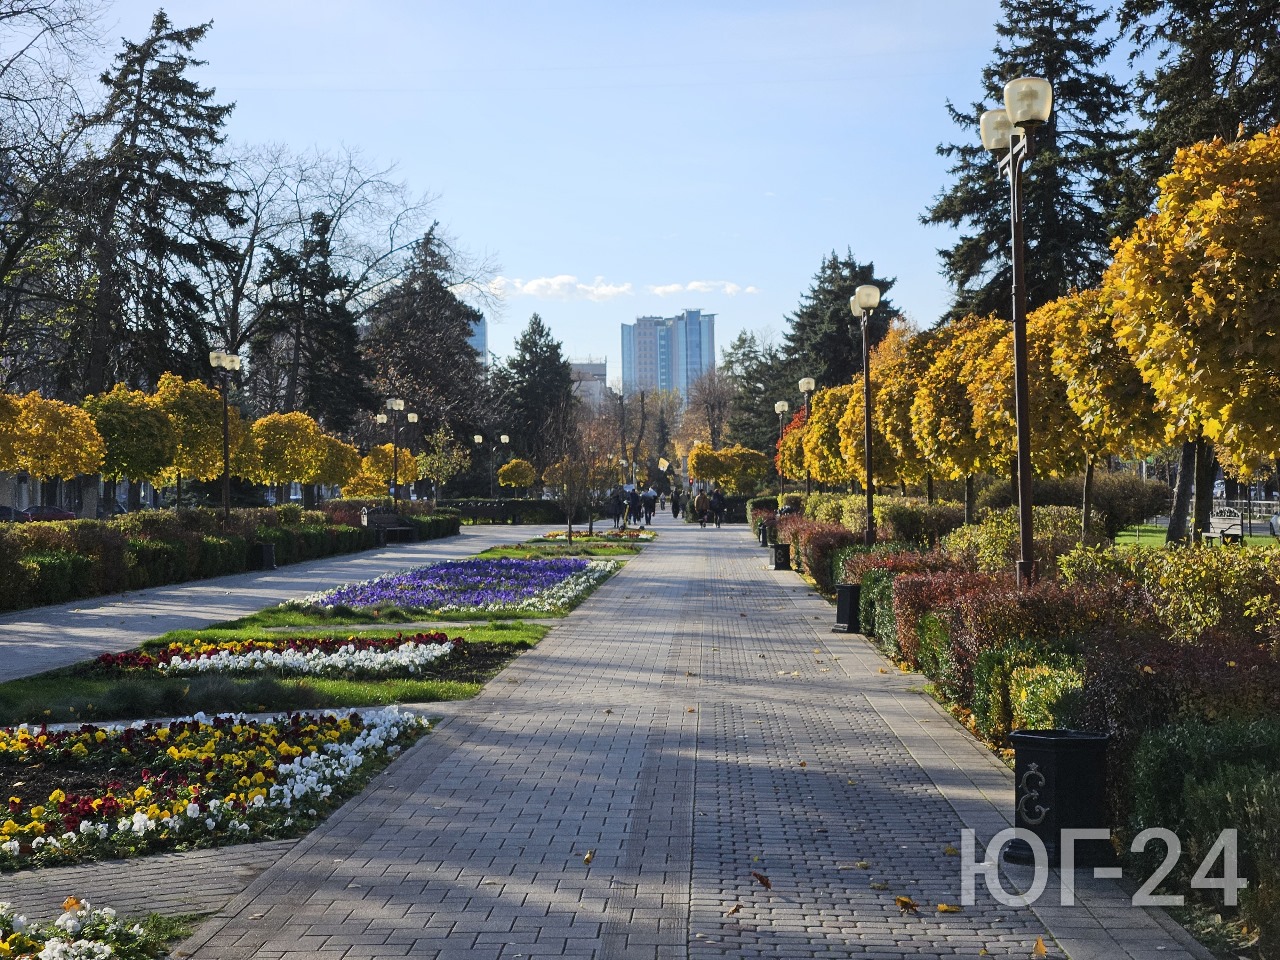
(142, 196)
(537, 387)
(825, 337)
(1072, 186)
(1217, 69)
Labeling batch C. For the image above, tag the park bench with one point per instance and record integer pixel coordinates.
(1226, 525)
(389, 526)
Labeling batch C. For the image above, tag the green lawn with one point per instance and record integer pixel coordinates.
(80, 693)
(543, 549)
(1150, 535)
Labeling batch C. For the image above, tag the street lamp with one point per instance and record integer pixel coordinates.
(225, 364)
(806, 386)
(493, 450)
(865, 299)
(1007, 133)
(394, 406)
(780, 408)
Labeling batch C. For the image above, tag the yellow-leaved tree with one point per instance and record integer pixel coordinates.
(376, 469)
(195, 411)
(790, 457)
(898, 362)
(823, 459)
(341, 462)
(139, 438)
(942, 411)
(55, 439)
(884, 462)
(1196, 291)
(521, 473)
(291, 448)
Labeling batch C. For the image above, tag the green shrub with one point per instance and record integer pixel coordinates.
(1120, 500)
(935, 649)
(1193, 589)
(917, 521)
(15, 578)
(290, 513)
(57, 576)
(993, 544)
(1046, 695)
(156, 562)
(1199, 779)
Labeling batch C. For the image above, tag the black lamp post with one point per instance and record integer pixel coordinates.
(1028, 101)
(493, 452)
(865, 299)
(780, 408)
(225, 364)
(807, 386)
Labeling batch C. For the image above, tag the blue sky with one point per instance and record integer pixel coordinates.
(624, 160)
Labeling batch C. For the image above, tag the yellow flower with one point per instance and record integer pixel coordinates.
(57, 796)
(71, 903)
(79, 750)
(37, 813)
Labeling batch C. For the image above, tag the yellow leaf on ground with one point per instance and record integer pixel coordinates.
(950, 851)
(906, 905)
(948, 908)
(1039, 949)
(590, 855)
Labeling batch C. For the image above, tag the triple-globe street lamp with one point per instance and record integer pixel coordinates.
(395, 406)
(1007, 133)
(226, 364)
(865, 299)
(503, 440)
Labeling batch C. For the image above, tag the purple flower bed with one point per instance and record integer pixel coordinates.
(478, 583)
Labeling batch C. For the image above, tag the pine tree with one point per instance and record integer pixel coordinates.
(537, 388)
(306, 343)
(418, 341)
(1072, 186)
(156, 177)
(825, 339)
(1217, 69)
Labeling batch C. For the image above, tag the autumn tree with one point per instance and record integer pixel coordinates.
(789, 459)
(517, 473)
(442, 459)
(710, 400)
(55, 439)
(1194, 290)
(823, 458)
(897, 365)
(852, 429)
(139, 438)
(380, 470)
(291, 449)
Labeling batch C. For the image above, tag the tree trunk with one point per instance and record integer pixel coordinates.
(1182, 494)
(1206, 472)
(928, 488)
(970, 506)
(1086, 503)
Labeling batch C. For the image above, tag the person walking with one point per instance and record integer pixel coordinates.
(675, 504)
(615, 509)
(700, 507)
(634, 510)
(717, 505)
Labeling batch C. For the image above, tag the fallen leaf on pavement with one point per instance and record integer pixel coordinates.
(862, 865)
(950, 851)
(590, 855)
(1039, 950)
(732, 910)
(763, 880)
(878, 885)
(906, 905)
(948, 908)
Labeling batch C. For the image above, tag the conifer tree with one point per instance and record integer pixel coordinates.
(825, 339)
(537, 387)
(1072, 186)
(141, 196)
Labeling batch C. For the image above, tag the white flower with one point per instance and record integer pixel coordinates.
(193, 810)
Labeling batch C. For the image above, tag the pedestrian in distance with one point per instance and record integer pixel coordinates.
(635, 512)
(675, 504)
(701, 505)
(717, 505)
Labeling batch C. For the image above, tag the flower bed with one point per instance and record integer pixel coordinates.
(81, 932)
(318, 656)
(629, 534)
(476, 585)
(195, 782)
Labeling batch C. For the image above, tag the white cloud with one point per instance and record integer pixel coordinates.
(563, 286)
(726, 287)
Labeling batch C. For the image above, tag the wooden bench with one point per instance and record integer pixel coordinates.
(388, 525)
(1227, 525)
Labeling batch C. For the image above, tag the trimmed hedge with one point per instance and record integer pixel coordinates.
(1119, 500)
(42, 563)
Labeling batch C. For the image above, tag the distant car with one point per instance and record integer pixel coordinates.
(40, 511)
(10, 515)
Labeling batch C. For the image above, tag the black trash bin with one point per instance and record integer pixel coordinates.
(262, 556)
(848, 597)
(1060, 783)
(781, 556)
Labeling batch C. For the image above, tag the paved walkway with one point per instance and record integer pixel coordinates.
(614, 794)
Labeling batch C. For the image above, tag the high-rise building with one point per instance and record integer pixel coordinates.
(667, 353)
(479, 339)
(588, 375)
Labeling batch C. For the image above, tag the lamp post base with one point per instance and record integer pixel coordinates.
(1026, 572)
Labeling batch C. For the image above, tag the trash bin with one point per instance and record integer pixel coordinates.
(848, 597)
(1060, 783)
(262, 556)
(781, 556)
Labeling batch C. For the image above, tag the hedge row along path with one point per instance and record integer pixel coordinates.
(690, 733)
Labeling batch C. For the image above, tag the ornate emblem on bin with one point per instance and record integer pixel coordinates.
(1028, 793)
